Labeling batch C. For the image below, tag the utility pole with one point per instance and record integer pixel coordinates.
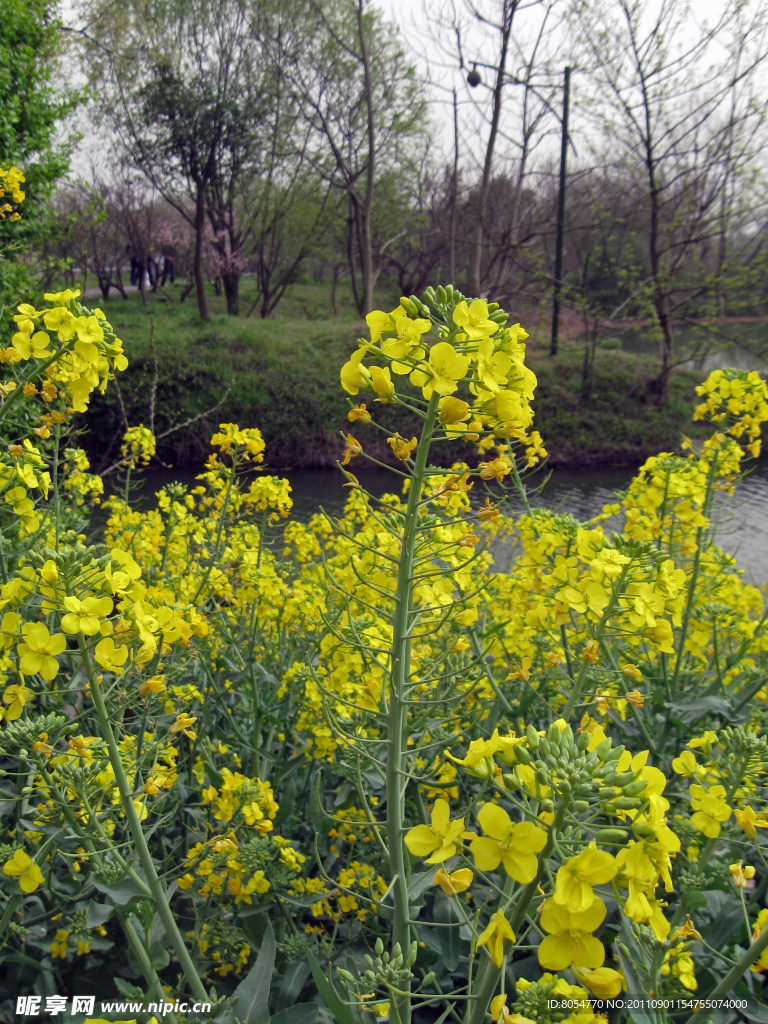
(560, 218)
(454, 193)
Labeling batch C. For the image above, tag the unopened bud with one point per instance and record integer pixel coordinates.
(636, 788)
(533, 738)
(554, 736)
(511, 783)
(441, 295)
(625, 803)
(522, 754)
(583, 740)
(603, 749)
(612, 835)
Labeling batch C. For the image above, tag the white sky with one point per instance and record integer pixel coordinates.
(411, 16)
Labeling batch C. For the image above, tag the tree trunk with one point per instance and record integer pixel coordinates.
(231, 281)
(202, 300)
(366, 209)
(508, 13)
(351, 254)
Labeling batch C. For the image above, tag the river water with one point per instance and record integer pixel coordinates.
(741, 521)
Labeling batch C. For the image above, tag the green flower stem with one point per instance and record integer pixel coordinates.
(520, 486)
(741, 966)
(694, 578)
(14, 902)
(601, 628)
(140, 952)
(149, 972)
(56, 491)
(222, 517)
(489, 974)
(398, 713)
(142, 850)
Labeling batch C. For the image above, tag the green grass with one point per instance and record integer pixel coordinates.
(283, 377)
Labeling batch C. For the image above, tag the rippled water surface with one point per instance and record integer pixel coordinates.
(742, 523)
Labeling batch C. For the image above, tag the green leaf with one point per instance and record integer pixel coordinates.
(419, 884)
(754, 1010)
(121, 893)
(694, 900)
(159, 956)
(98, 913)
(252, 994)
(126, 989)
(630, 964)
(294, 976)
(299, 1013)
(328, 993)
(449, 939)
(288, 801)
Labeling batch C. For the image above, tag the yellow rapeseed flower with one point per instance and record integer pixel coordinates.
(575, 878)
(436, 842)
(749, 820)
(452, 883)
(442, 372)
(516, 845)
(39, 650)
(570, 940)
(22, 866)
(473, 319)
(494, 935)
(710, 809)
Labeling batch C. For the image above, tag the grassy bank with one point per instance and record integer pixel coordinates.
(282, 376)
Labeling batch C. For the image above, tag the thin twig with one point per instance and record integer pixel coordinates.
(172, 430)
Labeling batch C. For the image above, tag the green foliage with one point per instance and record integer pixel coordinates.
(32, 100)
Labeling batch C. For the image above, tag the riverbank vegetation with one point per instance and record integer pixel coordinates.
(283, 374)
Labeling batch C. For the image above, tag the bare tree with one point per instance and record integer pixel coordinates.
(671, 98)
(364, 103)
(505, 51)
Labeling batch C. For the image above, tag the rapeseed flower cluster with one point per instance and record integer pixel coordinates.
(361, 734)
